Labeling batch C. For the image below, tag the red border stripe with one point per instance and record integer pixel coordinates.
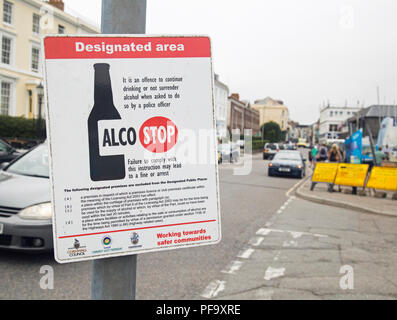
(65, 47)
(166, 225)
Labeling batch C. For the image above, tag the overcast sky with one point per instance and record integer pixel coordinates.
(304, 52)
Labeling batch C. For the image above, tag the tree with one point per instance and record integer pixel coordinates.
(271, 131)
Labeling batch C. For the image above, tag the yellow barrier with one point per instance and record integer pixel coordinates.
(384, 178)
(325, 172)
(353, 175)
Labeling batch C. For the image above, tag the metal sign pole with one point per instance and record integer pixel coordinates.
(115, 278)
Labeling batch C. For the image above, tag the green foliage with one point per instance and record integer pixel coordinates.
(258, 144)
(271, 131)
(20, 127)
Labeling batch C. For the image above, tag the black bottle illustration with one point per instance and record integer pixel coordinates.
(103, 167)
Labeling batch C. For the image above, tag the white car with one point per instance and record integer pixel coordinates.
(269, 150)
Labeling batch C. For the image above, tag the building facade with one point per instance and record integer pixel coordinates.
(241, 116)
(221, 94)
(23, 24)
(370, 119)
(272, 110)
(297, 131)
(331, 121)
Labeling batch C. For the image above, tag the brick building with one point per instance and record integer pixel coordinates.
(241, 116)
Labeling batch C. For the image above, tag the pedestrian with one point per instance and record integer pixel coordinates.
(387, 152)
(379, 156)
(322, 153)
(313, 156)
(334, 155)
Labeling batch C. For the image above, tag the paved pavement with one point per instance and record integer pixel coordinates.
(368, 203)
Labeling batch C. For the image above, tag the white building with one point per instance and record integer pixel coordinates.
(221, 93)
(331, 120)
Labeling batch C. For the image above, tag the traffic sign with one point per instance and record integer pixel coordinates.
(132, 143)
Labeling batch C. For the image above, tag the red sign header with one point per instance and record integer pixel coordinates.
(126, 47)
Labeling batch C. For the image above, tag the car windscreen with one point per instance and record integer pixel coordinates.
(34, 163)
(294, 156)
(271, 146)
(5, 147)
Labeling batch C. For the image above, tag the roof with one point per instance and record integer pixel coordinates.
(268, 101)
(379, 111)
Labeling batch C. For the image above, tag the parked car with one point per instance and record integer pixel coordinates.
(7, 153)
(281, 146)
(229, 152)
(269, 150)
(287, 163)
(291, 146)
(25, 203)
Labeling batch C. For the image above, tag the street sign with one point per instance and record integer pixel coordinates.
(325, 172)
(132, 143)
(351, 174)
(383, 178)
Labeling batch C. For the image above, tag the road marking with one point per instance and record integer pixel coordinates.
(291, 243)
(272, 273)
(213, 289)
(233, 267)
(264, 231)
(294, 234)
(245, 254)
(256, 241)
(296, 185)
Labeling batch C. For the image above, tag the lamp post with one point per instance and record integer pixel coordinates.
(40, 91)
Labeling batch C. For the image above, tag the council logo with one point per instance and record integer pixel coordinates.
(77, 249)
(134, 238)
(106, 241)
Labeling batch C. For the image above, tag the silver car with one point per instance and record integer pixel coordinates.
(25, 207)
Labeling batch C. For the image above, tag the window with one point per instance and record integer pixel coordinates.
(7, 12)
(36, 23)
(333, 127)
(61, 29)
(331, 113)
(35, 59)
(6, 44)
(5, 98)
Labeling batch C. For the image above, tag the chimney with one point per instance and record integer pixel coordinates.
(57, 4)
(236, 96)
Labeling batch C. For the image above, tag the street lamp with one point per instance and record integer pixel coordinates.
(40, 92)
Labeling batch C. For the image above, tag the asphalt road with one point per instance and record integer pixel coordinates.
(247, 201)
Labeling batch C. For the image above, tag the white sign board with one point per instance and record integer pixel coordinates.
(131, 131)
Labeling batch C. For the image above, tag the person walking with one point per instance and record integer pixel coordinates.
(322, 153)
(313, 156)
(379, 157)
(334, 155)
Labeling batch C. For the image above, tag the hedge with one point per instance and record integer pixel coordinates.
(258, 144)
(20, 127)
